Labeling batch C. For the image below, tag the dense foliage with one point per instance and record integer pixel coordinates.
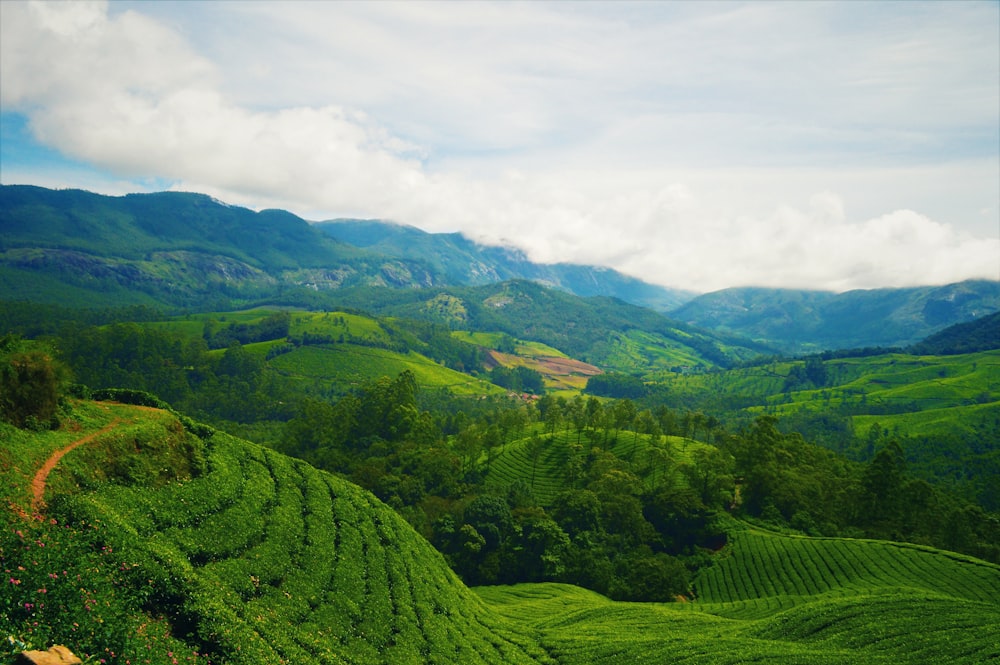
(31, 384)
(979, 335)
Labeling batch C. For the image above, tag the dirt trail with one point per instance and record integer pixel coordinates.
(38, 482)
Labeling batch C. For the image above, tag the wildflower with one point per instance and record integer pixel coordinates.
(14, 581)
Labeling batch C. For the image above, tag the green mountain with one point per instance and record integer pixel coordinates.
(189, 250)
(172, 249)
(801, 321)
(603, 331)
(465, 262)
(979, 335)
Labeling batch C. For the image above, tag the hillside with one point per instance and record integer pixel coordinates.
(172, 249)
(255, 558)
(602, 331)
(774, 598)
(234, 553)
(801, 321)
(178, 249)
(467, 263)
(982, 334)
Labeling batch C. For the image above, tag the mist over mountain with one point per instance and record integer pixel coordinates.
(177, 247)
(466, 262)
(189, 250)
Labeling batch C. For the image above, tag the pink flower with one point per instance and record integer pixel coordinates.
(14, 581)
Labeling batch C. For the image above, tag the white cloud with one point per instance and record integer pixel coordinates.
(692, 145)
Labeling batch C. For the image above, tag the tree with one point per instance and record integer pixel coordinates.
(658, 577)
(577, 511)
(623, 413)
(534, 450)
(881, 485)
(543, 549)
(645, 423)
(711, 475)
(491, 518)
(31, 384)
(553, 414)
(816, 371)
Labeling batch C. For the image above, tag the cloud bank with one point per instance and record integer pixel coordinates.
(696, 148)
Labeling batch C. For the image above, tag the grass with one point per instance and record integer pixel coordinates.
(350, 364)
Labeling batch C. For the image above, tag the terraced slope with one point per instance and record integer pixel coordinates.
(774, 598)
(259, 559)
(549, 472)
(284, 563)
(579, 627)
(761, 572)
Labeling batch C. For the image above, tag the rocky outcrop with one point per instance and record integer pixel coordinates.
(57, 655)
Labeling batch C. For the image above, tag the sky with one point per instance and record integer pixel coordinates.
(704, 145)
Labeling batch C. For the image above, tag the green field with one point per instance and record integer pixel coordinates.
(774, 598)
(637, 350)
(342, 350)
(523, 348)
(348, 364)
(578, 627)
(899, 387)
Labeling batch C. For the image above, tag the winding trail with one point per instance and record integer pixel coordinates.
(42, 475)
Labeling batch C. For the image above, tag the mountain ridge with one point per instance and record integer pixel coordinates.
(803, 321)
(116, 238)
(468, 263)
(190, 251)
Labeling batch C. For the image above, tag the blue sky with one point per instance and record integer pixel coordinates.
(696, 145)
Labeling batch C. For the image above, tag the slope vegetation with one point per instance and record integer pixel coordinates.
(258, 558)
(158, 546)
(774, 598)
(802, 321)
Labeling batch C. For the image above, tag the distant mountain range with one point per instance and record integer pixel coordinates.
(802, 321)
(464, 262)
(182, 250)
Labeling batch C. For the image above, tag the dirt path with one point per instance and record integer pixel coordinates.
(38, 482)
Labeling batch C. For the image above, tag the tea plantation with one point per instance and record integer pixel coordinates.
(157, 546)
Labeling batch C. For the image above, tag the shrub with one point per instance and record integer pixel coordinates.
(31, 384)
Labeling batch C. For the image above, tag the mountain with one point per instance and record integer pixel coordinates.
(465, 262)
(173, 249)
(802, 321)
(604, 331)
(978, 335)
(180, 249)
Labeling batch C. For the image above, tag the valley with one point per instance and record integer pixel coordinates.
(355, 442)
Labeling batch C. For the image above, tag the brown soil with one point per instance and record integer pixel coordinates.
(566, 366)
(38, 482)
